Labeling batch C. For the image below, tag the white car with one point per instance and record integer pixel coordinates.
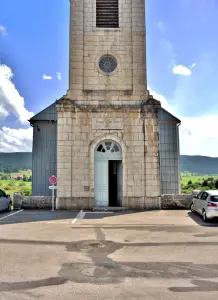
(206, 204)
(5, 201)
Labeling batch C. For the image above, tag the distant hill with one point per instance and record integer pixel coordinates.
(199, 164)
(13, 162)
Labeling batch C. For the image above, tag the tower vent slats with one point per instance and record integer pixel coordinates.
(107, 13)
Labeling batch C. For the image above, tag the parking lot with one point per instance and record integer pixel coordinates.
(106, 255)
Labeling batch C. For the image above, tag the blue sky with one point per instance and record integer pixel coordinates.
(182, 64)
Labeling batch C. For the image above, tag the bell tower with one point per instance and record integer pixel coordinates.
(107, 133)
(107, 51)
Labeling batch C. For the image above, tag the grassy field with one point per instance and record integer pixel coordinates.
(196, 178)
(10, 186)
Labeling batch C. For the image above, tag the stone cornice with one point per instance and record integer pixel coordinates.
(66, 104)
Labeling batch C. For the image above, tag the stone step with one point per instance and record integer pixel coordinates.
(109, 208)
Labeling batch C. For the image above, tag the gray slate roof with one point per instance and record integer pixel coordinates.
(47, 114)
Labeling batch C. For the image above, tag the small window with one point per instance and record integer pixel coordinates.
(214, 198)
(108, 147)
(199, 195)
(2, 194)
(204, 196)
(107, 13)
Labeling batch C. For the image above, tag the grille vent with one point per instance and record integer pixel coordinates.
(107, 13)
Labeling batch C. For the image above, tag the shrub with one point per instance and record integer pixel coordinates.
(22, 184)
(26, 192)
(189, 182)
(205, 183)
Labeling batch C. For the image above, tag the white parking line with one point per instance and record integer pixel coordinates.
(11, 214)
(80, 215)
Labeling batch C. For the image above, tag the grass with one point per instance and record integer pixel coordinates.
(10, 186)
(196, 178)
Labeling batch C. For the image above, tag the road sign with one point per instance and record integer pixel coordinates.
(53, 179)
(52, 187)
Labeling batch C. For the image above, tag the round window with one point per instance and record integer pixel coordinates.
(107, 64)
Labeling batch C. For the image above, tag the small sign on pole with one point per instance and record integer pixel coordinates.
(53, 181)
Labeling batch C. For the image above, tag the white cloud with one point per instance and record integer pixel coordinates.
(3, 113)
(46, 77)
(160, 26)
(3, 30)
(10, 100)
(15, 140)
(182, 70)
(192, 66)
(198, 135)
(59, 77)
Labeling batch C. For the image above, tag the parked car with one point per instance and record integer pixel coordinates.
(205, 203)
(5, 201)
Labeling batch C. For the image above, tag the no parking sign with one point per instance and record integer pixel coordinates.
(53, 179)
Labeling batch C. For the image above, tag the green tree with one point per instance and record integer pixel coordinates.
(205, 183)
(216, 184)
(30, 178)
(189, 182)
(25, 178)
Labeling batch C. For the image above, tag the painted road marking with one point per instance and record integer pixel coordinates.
(99, 212)
(57, 222)
(80, 215)
(11, 214)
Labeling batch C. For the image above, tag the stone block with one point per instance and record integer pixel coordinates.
(176, 201)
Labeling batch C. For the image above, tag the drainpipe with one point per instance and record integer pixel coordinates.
(178, 154)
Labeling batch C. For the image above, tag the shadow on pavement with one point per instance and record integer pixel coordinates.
(26, 216)
(198, 219)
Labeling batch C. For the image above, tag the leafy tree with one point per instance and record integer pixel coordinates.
(216, 184)
(30, 178)
(25, 178)
(205, 183)
(189, 182)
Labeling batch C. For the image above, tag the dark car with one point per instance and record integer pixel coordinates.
(5, 201)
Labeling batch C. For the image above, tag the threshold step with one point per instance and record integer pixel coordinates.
(109, 208)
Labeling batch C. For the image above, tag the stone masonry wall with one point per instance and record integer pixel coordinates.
(77, 140)
(163, 202)
(88, 44)
(31, 202)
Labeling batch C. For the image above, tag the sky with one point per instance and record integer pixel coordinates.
(182, 64)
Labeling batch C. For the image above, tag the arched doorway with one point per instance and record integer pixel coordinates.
(108, 173)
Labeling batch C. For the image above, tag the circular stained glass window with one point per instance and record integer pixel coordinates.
(107, 64)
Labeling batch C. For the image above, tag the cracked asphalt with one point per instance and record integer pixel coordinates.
(132, 255)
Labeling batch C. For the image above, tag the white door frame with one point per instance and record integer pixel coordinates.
(105, 151)
(93, 146)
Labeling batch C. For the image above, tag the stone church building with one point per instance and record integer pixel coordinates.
(108, 141)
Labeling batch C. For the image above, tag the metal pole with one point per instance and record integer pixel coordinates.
(53, 197)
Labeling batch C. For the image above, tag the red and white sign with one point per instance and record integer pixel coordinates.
(53, 179)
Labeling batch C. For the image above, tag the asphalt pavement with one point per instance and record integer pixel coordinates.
(107, 255)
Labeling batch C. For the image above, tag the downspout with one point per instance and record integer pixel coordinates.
(178, 155)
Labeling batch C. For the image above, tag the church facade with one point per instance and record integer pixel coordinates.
(109, 142)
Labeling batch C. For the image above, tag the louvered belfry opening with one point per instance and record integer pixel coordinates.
(107, 13)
